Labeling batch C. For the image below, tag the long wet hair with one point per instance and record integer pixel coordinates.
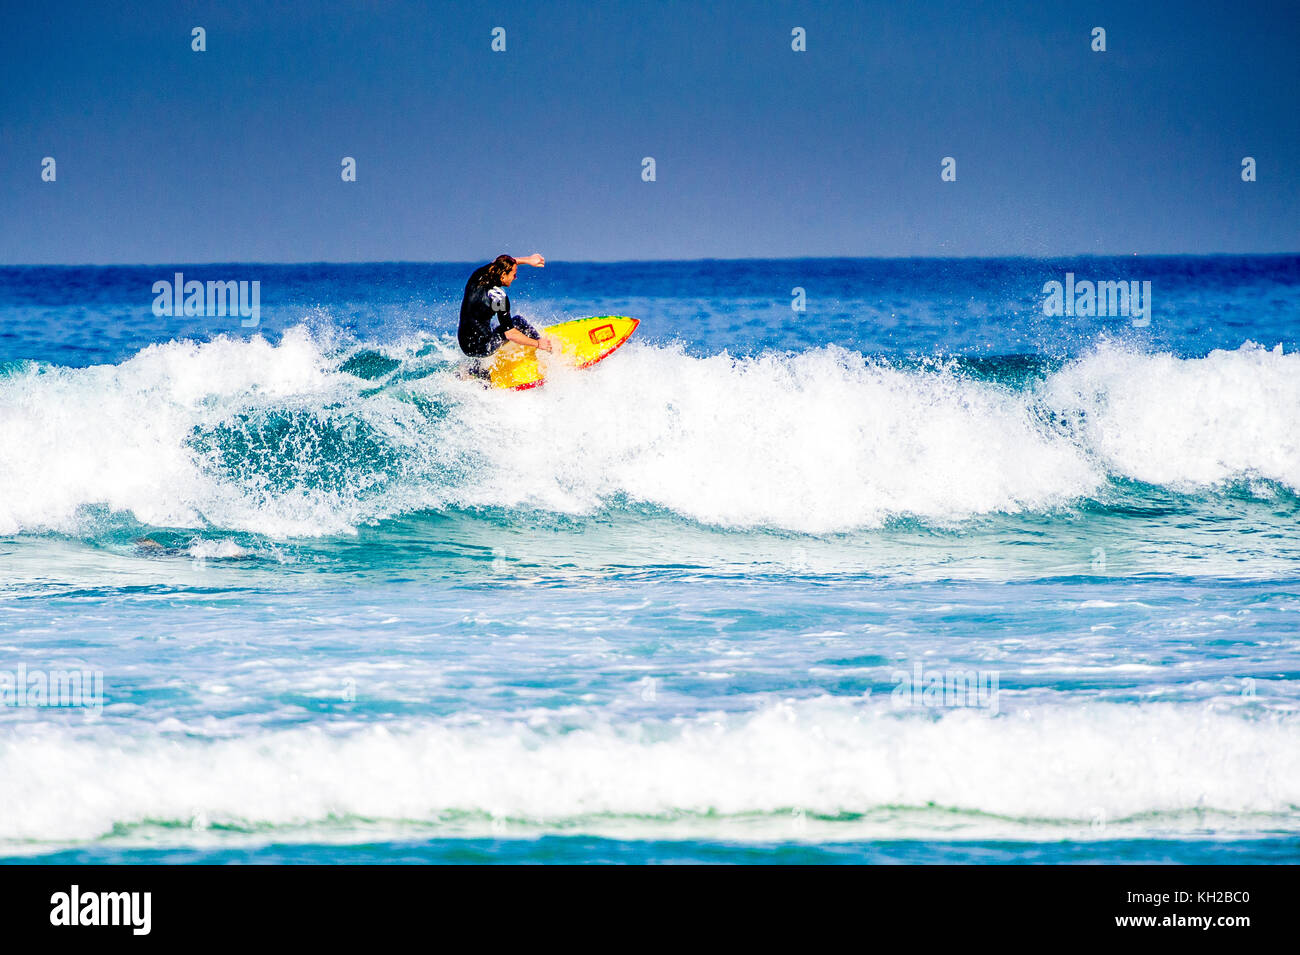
(496, 269)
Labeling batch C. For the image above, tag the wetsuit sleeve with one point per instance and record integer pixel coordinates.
(523, 326)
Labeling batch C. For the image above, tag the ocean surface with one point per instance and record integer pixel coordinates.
(916, 574)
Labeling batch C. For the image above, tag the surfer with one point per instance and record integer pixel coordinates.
(486, 299)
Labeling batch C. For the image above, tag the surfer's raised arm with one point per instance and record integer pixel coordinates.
(541, 341)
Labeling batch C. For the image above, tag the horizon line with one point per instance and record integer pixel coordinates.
(793, 258)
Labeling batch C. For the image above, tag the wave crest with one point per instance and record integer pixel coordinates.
(301, 438)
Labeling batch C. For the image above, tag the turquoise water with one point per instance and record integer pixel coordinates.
(918, 574)
(575, 850)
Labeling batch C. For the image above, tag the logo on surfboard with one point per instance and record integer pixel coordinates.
(600, 334)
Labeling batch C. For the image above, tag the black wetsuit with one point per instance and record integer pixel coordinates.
(482, 304)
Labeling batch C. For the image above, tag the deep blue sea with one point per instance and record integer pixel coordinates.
(915, 574)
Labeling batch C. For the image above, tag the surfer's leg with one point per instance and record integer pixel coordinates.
(480, 357)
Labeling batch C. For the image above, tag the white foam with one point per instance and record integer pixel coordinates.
(1187, 423)
(819, 441)
(117, 436)
(216, 550)
(1054, 765)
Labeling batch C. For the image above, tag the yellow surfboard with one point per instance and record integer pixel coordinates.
(579, 343)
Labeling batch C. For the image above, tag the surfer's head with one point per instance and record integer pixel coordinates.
(501, 271)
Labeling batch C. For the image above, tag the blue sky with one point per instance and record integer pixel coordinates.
(166, 155)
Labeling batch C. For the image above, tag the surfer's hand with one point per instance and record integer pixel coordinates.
(545, 344)
(534, 259)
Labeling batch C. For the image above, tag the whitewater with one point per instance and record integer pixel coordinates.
(245, 435)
